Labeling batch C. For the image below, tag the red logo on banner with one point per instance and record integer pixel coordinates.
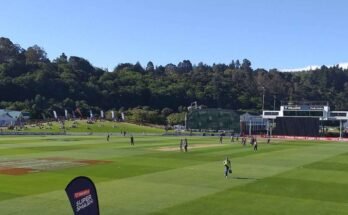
(82, 193)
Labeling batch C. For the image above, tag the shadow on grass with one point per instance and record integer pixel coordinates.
(244, 178)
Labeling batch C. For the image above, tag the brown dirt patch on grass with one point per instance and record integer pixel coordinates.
(26, 166)
(15, 171)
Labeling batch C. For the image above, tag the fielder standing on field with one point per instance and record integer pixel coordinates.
(255, 145)
(228, 168)
(181, 144)
(132, 140)
(185, 144)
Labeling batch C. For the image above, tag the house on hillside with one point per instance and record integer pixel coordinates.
(12, 118)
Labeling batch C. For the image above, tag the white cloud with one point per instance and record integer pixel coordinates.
(343, 65)
(313, 67)
(307, 68)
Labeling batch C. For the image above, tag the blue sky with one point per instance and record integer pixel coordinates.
(270, 33)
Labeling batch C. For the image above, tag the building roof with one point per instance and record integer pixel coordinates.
(252, 118)
(11, 113)
(5, 116)
(248, 117)
(2, 111)
(15, 114)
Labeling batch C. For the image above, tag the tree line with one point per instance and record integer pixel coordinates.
(29, 81)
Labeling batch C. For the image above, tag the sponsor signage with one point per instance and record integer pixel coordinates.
(303, 107)
(309, 138)
(316, 107)
(292, 108)
(83, 196)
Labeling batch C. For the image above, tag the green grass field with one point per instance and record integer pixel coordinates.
(82, 126)
(153, 177)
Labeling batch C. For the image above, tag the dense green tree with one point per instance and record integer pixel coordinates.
(35, 54)
(166, 111)
(138, 68)
(62, 59)
(237, 64)
(184, 66)
(9, 52)
(246, 65)
(150, 67)
(232, 65)
(176, 119)
(170, 68)
(29, 81)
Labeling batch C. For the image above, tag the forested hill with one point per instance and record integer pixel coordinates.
(30, 81)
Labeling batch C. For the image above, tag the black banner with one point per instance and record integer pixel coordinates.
(83, 196)
(297, 126)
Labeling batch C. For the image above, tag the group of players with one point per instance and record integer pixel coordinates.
(131, 138)
(253, 140)
(227, 163)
